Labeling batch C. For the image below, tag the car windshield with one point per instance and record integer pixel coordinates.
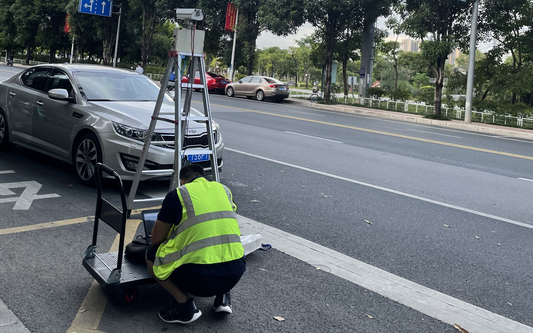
(102, 86)
(271, 80)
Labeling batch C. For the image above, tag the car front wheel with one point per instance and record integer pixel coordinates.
(4, 134)
(230, 92)
(87, 153)
(260, 95)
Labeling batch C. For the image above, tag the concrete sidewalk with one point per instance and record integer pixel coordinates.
(512, 132)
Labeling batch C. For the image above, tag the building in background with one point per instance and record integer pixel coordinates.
(410, 45)
(452, 58)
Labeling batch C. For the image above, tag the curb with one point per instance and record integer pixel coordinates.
(9, 322)
(419, 119)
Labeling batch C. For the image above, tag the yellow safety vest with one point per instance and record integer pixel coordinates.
(208, 232)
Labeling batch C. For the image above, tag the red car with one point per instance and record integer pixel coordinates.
(215, 82)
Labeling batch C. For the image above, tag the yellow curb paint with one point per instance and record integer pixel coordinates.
(384, 133)
(62, 223)
(91, 310)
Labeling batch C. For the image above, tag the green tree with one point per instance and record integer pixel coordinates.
(446, 24)
(330, 18)
(414, 62)
(509, 22)
(391, 50)
(27, 20)
(8, 29)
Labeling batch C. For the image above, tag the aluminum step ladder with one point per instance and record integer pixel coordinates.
(181, 119)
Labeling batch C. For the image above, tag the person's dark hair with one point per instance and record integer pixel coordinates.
(191, 171)
(139, 63)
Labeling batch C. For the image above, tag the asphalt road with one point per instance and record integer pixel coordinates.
(446, 209)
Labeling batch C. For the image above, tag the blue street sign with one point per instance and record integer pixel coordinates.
(96, 7)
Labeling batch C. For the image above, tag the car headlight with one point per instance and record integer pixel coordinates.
(133, 133)
(216, 131)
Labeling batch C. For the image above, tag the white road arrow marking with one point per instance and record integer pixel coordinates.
(28, 195)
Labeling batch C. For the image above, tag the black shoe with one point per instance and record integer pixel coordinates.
(222, 303)
(180, 313)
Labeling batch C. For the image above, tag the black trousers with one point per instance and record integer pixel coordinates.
(188, 278)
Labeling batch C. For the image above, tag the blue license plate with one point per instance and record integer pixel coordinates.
(198, 157)
(223, 82)
(281, 88)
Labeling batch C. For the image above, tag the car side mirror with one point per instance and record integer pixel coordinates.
(240, 81)
(60, 94)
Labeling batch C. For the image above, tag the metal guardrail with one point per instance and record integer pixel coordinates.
(458, 113)
(23, 61)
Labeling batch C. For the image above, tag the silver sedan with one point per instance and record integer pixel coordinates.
(84, 114)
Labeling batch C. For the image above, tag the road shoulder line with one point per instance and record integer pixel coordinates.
(425, 300)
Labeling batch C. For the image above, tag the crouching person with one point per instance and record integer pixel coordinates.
(196, 247)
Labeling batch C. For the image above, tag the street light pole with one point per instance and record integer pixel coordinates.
(118, 34)
(232, 74)
(471, 65)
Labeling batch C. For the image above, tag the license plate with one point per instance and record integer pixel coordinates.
(282, 88)
(198, 157)
(223, 82)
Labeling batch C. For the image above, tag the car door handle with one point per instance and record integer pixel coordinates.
(12, 94)
(39, 103)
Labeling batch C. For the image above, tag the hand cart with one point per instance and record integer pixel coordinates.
(118, 275)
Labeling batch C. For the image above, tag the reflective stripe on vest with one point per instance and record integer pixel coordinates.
(198, 245)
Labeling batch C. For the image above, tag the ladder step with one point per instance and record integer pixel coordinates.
(196, 118)
(149, 199)
(201, 55)
(193, 85)
(168, 120)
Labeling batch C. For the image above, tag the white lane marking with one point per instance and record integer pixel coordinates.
(510, 139)
(313, 137)
(422, 299)
(6, 172)
(28, 195)
(467, 210)
(451, 136)
(529, 180)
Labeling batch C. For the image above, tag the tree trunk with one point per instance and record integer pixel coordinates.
(396, 70)
(330, 40)
(28, 55)
(439, 83)
(148, 28)
(485, 94)
(344, 76)
(52, 54)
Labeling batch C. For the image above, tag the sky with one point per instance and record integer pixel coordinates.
(267, 39)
